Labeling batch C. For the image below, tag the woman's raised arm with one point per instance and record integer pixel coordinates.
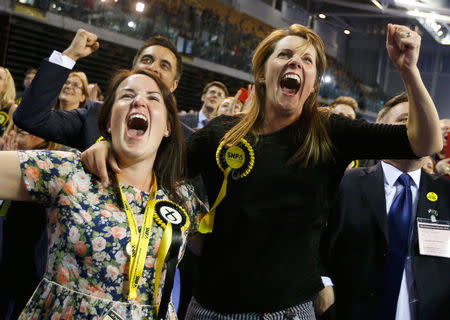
(403, 46)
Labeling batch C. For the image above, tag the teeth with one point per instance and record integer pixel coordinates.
(292, 76)
(137, 116)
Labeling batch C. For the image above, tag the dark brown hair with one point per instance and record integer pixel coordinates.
(163, 42)
(30, 71)
(402, 97)
(217, 84)
(170, 162)
(317, 145)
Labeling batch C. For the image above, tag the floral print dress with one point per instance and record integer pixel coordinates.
(87, 268)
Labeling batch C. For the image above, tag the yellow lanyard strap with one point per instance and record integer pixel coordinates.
(164, 247)
(4, 208)
(139, 241)
(207, 222)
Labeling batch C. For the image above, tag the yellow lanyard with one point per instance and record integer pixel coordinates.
(4, 208)
(238, 159)
(139, 241)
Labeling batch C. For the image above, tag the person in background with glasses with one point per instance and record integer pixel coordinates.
(212, 96)
(74, 93)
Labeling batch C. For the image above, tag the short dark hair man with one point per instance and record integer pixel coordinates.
(212, 95)
(377, 273)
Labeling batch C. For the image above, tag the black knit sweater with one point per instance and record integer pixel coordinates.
(263, 254)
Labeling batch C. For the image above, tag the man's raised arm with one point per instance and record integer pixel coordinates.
(35, 114)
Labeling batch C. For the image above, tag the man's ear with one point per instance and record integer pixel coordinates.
(203, 97)
(174, 86)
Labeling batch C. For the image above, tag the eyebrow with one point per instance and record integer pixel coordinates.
(148, 92)
(167, 61)
(147, 55)
(153, 57)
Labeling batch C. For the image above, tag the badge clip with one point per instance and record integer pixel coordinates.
(434, 214)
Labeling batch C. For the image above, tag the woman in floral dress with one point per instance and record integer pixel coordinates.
(91, 253)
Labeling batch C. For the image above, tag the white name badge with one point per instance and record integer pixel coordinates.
(434, 237)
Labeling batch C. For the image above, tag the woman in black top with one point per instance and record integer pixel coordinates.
(282, 162)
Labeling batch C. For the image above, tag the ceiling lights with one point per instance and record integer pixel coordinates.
(378, 4)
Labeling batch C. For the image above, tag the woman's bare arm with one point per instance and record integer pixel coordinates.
(403, 46)
(12, 186)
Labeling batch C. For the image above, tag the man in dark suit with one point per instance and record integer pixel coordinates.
(212, 95)
(78, 128)
(360, 239)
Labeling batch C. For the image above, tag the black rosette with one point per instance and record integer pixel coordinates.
(168, 211)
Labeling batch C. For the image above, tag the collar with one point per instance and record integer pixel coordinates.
(201, 116)
(391, 174)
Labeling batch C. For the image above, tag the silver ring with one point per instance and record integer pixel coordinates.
(408, 34)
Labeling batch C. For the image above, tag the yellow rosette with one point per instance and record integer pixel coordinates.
(238, 160)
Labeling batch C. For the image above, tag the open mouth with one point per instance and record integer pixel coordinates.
(290, 83)
(137, 124)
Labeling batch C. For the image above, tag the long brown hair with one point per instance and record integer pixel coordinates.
(170, 162)
(317, 145)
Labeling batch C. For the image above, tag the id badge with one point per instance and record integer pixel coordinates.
(434, 237)
(112, 316)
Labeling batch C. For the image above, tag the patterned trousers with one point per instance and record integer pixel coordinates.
(303, 311)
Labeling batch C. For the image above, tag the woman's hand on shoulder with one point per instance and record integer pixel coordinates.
(9, 142)
(96, 158)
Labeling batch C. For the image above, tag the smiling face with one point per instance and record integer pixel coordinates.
(225, 107)
(290, 76)
(211, 99)
(161, 61)
(72, 95)
(138, 118)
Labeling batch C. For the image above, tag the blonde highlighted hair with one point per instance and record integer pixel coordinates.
(317, 145)
(8, 95)
(84, 88)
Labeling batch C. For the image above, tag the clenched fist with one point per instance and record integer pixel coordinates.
(83, 44)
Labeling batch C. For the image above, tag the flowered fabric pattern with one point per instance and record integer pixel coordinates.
(87, 268)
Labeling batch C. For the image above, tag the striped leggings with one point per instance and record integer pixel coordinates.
(303, 311)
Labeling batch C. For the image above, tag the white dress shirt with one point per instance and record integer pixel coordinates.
(201, 117)
(406, 298)
(64, 61)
